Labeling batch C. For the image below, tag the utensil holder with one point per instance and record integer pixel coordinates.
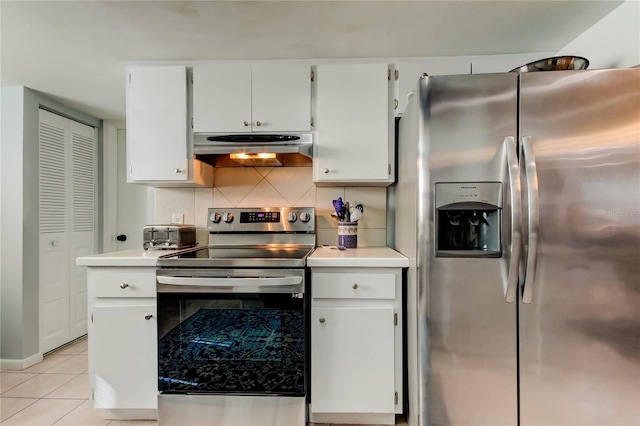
(348, 234)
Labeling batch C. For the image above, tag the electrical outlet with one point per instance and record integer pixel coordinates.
(177, 218)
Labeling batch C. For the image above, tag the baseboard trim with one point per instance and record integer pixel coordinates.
(20, 364)
(130, 413)
(353, 418)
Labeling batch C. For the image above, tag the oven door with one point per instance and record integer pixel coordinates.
(231, 331)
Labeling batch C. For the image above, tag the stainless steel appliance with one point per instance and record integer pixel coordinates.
(519, 207)
(168, 236)
(232, 327)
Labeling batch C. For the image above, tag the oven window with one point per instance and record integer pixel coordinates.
(245, 343)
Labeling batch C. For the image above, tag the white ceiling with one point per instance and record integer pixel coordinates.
(77, 51)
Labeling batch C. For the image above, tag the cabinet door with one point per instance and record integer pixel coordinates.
(157, 124)
(124, 356)
(352, 360)
(353, 141)
(281, 98)
(222, 98)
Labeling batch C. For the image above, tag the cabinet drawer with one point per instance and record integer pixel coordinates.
(123, 282)
(353, 286)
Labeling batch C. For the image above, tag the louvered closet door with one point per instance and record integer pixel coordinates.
(67, 165)
(82, 232)
(54, 235)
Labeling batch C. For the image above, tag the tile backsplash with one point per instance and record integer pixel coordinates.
(281, 187)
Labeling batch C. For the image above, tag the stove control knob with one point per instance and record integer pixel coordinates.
(305, 217)
(227, 217)
(292, 217)
(215, 217)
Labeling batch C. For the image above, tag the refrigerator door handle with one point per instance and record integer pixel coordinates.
(516, 218)
(533, 219)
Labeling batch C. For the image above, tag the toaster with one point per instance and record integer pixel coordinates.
(168, 236)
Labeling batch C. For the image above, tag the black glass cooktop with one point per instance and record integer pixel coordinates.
(261, 256)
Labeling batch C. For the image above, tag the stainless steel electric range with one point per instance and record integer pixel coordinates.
(232, 329)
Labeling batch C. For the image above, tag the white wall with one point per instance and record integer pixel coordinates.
(613, 42)
(12, 325)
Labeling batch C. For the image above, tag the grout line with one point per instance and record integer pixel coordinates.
(23, 408)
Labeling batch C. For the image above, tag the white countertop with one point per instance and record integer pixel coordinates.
(377, 257)
(381, 257)
(135, 257)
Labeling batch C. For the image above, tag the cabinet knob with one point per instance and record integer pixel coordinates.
(148, 317)
(179, 171)
(121, 237)
(245, 123)
(325, 171)
(321, 320)
(258, 123)
(355, 286)
(54, 243)
(124, 285)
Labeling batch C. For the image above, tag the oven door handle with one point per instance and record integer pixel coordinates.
(231, 282)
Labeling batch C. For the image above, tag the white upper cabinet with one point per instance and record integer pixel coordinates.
(158, 136)
(240, 98)
(355, 131)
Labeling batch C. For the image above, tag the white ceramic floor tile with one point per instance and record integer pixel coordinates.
(77, 388)
(76, 364)
(83, 415)
(47, 363)
(10, 380)
(39, 386)
(10, 406)
(44, 412)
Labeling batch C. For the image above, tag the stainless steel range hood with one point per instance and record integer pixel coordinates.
(253, 149)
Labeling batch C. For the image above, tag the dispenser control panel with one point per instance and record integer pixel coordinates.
(468, 219)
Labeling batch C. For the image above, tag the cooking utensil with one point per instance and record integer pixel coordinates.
(338, 206)
(555, 64)
(356, 215)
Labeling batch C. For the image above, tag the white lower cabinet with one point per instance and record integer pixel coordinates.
(356, 345)
(125, 348)
(123, 341)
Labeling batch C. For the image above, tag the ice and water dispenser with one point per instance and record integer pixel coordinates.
(468, 219)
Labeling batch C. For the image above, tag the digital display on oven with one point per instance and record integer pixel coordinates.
(259, 217)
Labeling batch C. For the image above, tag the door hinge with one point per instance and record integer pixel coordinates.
(192, 78)
(129, 78)
(192, 122)
(313, 76)
(396, 73)
(395, 398)
(395, 319)
(91, 316)
(92, 394)
(389, 170)
(311, 121)
(389, 74)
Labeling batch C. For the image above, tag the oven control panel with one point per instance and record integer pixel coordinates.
(264, 220)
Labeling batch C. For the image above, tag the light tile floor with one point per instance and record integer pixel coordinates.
(55, 392)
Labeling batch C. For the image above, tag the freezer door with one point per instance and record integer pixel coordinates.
(579, 310)
(467, 319)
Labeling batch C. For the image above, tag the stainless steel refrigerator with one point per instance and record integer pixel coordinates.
(518, 204)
